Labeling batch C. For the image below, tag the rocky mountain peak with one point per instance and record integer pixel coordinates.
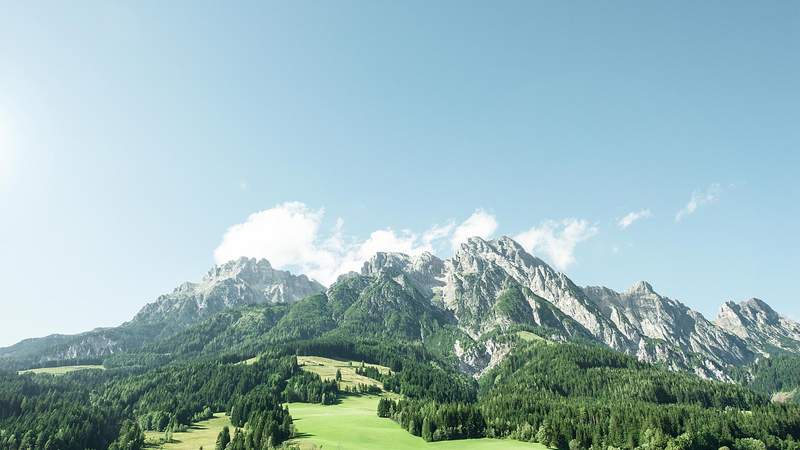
(423, 263)
(242, 281)
(641, 288)
(385, 262)
(759, 310)
(752, 310)
(757, 323)
(242, 267)
(728, 318)
(422, 271)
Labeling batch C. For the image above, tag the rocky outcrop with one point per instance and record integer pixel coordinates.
(475, 275)
(763, 329)
(244, 281)
(668, 322)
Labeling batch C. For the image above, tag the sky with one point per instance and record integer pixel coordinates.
(143, 142)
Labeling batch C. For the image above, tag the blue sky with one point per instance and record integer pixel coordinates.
(132, 136)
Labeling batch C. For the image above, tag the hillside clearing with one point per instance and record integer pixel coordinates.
(202, 433)
(61, 370)
(785, 396)
(529, 337)
(326, 368)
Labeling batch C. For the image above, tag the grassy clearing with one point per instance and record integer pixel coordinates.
(326, 368)
(61, 370)
(528, 336)
(785, 396)
(250, 361)
(200, 434)
(354, 425)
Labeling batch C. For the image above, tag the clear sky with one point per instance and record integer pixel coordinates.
(134, 135)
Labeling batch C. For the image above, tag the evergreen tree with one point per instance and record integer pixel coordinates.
(427, 433)
(223, 439)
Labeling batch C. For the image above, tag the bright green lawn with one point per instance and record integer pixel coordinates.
(200, 434)
(354, 425)
(61, 370)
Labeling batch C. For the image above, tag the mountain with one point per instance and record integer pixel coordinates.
(245, 281)
(495, 285)
(471, 307)
(764, 330)
(671, 332)
(474, 277)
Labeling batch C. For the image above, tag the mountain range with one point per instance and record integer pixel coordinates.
(459, 306)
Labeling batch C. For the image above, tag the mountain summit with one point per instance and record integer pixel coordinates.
(244, 281)
(755, 322)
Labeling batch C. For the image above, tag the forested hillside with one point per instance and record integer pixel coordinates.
(493, 343)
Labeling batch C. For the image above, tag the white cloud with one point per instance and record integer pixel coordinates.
(290, 237)
(698, 199)
(286, 235)
(556, 240)
(632, 217)
(480, 223)
(437, 232)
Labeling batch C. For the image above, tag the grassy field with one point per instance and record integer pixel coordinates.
(200, 434)
(354, 425)
(528, 336)
(61, 370)
(250, 361)
(326, 368)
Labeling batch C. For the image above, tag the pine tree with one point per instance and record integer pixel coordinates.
(427, 433)
(223, 439)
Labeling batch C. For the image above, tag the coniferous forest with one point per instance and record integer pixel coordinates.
(565, 395)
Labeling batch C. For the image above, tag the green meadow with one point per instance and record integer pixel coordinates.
(200, 434)
(353, 424)
(326, 368)
(61, 370)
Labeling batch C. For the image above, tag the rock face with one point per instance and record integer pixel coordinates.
(423, 271)
(764, 330)
(244, 281)
(670, 331)
(491, 285)
(478, 273)
(663, 319)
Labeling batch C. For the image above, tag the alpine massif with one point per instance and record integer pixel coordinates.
(490, 342)
(487, 286)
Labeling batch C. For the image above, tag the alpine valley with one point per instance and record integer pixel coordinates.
(490, 343)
